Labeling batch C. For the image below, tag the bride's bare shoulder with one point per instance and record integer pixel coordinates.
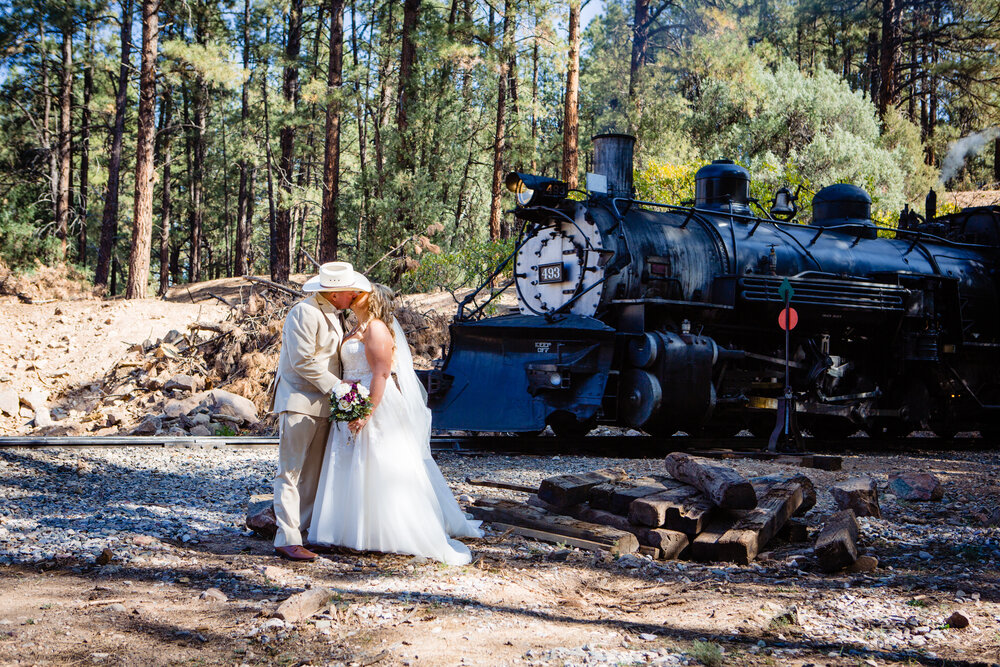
(377, 332)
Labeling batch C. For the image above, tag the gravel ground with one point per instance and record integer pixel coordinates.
(175, 518)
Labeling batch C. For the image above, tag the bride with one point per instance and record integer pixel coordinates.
(379, 488)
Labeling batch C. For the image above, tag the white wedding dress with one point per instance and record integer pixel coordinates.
(380, 490)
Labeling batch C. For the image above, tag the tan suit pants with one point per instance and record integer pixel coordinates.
(302, 442)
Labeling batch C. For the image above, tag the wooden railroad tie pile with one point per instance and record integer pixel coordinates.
(701, 511)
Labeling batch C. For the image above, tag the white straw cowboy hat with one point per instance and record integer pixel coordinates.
(337, 277)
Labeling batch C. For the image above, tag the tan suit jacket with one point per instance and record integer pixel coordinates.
(309, 365)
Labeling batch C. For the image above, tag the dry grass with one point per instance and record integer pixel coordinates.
(45, 283)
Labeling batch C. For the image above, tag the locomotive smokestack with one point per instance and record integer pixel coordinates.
(613, 159)
(930, 206)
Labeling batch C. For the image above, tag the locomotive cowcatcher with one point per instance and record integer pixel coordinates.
(664, 318)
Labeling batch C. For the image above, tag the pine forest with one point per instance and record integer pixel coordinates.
(157, 142)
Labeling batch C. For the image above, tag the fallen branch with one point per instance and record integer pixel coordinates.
(96, 603)
(273, 285)
(479, 481)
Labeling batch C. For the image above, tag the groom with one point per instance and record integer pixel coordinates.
(308, 370)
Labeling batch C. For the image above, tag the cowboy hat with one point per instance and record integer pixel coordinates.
(337, 277)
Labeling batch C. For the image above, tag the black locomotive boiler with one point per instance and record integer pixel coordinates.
(665, 318)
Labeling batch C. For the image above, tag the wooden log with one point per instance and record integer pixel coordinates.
(670, 542)
(496, 484)
(817, 461)
(794, 530)
(723, 486)
(837, 544)
(566, 490)
(617, 496)
(858, 494)
(684, 509)
(505, 511)
(743, 540)
(765, 482)
(303, 605)
(551, 538)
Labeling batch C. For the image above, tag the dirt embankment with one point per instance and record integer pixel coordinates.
(75, 364)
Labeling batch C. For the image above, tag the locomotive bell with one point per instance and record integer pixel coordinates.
(721, 185)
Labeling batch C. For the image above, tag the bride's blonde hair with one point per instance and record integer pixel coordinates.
(381, 304)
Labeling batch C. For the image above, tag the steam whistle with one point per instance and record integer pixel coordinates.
(930, 206)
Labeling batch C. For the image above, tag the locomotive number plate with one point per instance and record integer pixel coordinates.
(551, 273)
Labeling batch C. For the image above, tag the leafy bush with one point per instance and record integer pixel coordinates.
(468, 265)
(707, 653)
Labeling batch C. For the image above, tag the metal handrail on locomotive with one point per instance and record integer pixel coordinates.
(665, 318)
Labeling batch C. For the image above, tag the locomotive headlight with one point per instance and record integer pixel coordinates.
(555, 379)
(531, 190)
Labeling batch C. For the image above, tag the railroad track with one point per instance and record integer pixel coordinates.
(610, 445)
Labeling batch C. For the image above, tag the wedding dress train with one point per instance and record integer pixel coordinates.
(380, 490)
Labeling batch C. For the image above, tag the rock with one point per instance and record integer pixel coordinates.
(117, 606)
(144, 540)
(274, 573)
(858, 494)
(166, 351)
(864, 564)
(36, 400)
(184, 382)
(218, 401)
(786, 617)
(150, 425)
(172, 335)
(260, 516)
(302, 605)
(213, 594)
(107, 555)
(199, 418)
(115, 417)
(200, 430)
(629, 561)
(916, 486)
(9, 402)
(957, 620)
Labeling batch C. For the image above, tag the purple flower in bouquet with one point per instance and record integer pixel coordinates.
(350, 401)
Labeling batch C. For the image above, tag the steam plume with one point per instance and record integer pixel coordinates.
(963, 148)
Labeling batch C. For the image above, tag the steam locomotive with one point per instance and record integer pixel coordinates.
(666, 318)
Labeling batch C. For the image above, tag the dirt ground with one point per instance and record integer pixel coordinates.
(524, 602)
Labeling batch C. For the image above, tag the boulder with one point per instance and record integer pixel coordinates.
(957, 620)
(858, 494)
(200, 430)
(260, 516)
(150, 425)
(916, 486)
(184, 382)
(218, 401)
(9, 402)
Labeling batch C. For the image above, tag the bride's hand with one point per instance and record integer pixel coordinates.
(358, 424)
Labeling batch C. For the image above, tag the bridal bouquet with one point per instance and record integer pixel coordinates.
(349, 401)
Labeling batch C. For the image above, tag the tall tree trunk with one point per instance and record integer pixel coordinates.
(272, 218)
(244, 204)
(534, 97)
(142, 217)
(225, 200)
(996, 160)
(109, 221)
(88, 88)
(640, 44)
(571, 113)
(46, 132)
(889, 56)
(365, 216)
(496, 211)
(166, 204)
(197, 218)
(329, 231)
(65, 135)
(407, 92)
(290, 88)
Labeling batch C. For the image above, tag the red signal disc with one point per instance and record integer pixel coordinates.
(788, 318)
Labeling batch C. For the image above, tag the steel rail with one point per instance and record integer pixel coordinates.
(611, 446)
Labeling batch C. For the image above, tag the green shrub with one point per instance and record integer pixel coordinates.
(468, 265)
